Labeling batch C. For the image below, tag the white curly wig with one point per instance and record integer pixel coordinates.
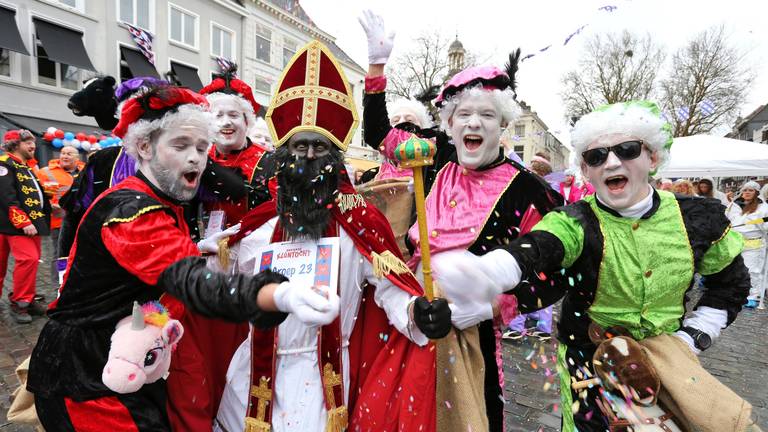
(504, 100)
(641, 119)
(245, 107)
(150, 129)
(413, 106)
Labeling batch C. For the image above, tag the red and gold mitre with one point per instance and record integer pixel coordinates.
(313, 95)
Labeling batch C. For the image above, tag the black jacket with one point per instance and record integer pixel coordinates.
(22, 201)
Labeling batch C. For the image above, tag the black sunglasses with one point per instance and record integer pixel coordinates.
(625, 151)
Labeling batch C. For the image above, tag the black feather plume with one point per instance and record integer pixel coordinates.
(428, 95)
(227, 74)
(511, 68)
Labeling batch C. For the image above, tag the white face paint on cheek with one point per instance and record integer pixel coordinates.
(476, 131)
(232, 128)
(634, 171)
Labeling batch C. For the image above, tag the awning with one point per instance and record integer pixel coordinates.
(63, 45)
(138, 64)
(187, 76)
(10, 38)
(39, 126)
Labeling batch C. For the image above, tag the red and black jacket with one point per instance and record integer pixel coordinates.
(132, 245)
(22, 201)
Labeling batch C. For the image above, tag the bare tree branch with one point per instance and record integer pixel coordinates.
(423, 66)
(708, 72)
(614, 68)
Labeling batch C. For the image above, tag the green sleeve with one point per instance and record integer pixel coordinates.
(568, 230)
(721, 253)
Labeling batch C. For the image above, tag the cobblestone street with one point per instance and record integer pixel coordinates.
(739, 358)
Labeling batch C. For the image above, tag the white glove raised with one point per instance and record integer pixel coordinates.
(465, 277)
(468, 314)
(379, 43)
(211, 244)
(312, 305)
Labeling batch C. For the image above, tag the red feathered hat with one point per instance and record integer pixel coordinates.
(153, 104)
(228, 83)
(313, 95)
(11, 135)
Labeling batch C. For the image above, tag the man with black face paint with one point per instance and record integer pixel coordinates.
(375, 360)
(136, 234)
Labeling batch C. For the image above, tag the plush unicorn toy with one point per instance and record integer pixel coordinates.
(141, 348)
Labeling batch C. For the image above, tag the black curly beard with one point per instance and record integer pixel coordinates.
(306, 188)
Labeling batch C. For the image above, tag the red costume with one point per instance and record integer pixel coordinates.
(389, 380)
(205, 353)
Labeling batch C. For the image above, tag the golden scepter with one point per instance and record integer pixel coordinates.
(416, 153)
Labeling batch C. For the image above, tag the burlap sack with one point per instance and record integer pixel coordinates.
(394, 199)
(460, 381)
(699, 401)
(22, 410)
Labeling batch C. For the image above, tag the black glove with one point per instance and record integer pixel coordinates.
(432, 318)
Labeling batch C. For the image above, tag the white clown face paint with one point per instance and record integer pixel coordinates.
(404, 115)
(475, 127)
(179, 158)
(620, 184)
(231, 124)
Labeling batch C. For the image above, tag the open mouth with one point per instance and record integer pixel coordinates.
(616, 183)
(472, 142)
(191, 177)
(227, 132)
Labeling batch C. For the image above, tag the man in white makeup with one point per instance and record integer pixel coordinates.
(478, 199)
(634, 251)
(373, 368)
(234, 108)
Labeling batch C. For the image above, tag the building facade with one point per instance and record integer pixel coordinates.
(48, 48)
(273, 31)
(529, 135)
(753, 127)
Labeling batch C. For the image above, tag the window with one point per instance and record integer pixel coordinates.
(183, 26)
(74, 4)
(263, 43)
(222, 42)
(520, 130)
(137, 13)
(289, 49)
(262, 85)
(5, 62)
(520, 151)
(55, 74)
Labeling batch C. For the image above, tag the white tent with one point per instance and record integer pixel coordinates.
(712, 156)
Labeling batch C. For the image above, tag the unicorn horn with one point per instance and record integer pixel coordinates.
(137, 320)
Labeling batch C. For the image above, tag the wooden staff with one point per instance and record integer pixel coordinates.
(416, 153)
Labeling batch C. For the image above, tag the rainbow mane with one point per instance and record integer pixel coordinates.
(155, 313)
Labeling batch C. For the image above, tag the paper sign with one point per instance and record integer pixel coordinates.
(215, 223)
(311, 262)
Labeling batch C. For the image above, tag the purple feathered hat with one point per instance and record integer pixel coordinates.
(489, 77)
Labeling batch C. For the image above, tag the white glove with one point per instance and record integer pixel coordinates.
(314, 306)
(465, 277)
(706, 319)
(211, 244)
(468, 314)
(379, 43)
(685, 337)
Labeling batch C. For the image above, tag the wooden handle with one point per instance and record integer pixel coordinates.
(421, 218)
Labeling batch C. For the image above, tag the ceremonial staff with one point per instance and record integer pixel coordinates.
(416, 153)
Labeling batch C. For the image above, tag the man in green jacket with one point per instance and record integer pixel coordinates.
(633, 251)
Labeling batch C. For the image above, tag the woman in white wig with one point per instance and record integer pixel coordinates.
(746, 214)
